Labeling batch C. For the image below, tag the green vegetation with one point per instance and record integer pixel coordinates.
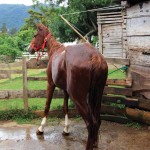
(14, 42)
(16, 83)
(116, 74)
(16, 114)
(134, 125)
(84, 21)
(12, 46)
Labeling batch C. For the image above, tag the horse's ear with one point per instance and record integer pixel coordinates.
(39, 26)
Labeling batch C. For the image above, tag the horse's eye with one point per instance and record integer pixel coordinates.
(35, 35)
(39, 29)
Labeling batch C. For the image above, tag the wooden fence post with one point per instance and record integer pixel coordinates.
(25, 89)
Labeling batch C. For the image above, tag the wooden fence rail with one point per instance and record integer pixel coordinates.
(117, 100)
(6, 69)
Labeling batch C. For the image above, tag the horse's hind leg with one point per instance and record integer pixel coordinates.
(96, 96)
(83, 110)
(50, 91)
(96, 127)
(65, 108)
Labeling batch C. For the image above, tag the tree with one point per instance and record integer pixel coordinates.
(13, 31)
(85, 21)
(3, 29)
(24, 37)
(13, 45)
(9, 46)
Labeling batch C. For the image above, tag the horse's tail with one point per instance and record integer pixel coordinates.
(99, 73)
(98, 81)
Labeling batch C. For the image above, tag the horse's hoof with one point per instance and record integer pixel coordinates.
(65, 134)
(39, 132)
(95, 145)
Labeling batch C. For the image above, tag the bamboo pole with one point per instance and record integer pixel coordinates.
(73, 28)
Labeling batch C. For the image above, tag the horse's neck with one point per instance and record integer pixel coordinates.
(53, 45)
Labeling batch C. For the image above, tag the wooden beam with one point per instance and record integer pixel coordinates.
(4, 76)
(37, 78)
(10, 65)
(131, 102)
(106, 109)
(109, 22)
(113, 99)
(121, 61)
(10, 71)
(118, 119)
(109, 16)
(42, 94)
(121, 82)
(100, 38)
(109, 13)
(118, 91)
(109, 19)
(138, 115)
(144, 104)
(58, 93)
(127, 101)
(25, 88)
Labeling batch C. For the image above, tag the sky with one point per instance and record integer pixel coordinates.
(25, 2)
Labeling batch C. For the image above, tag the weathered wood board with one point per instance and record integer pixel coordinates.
(141, 80)
(138, 34)
(140, 9)
(110, 33)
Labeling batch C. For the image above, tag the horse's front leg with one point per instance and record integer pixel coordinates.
(50, 91)
(66, 129)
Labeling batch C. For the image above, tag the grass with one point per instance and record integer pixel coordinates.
(116, 75)
(34, 104)
(135, 125)
(16, 105)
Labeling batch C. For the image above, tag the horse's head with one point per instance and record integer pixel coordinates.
(39, 40)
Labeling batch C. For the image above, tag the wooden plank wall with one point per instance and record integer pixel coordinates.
(111, 27)
(138, 39)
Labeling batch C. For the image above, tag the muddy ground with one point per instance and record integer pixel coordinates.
(113, 136)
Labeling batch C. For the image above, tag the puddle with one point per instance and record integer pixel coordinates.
(112, 137)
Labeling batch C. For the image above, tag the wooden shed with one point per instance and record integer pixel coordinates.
(124, 32)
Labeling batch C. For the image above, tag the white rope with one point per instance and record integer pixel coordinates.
(93, 10)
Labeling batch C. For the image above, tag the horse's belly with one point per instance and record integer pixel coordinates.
(59, 74)
(59, 80)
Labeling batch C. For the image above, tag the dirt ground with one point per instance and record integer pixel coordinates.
(113, 136)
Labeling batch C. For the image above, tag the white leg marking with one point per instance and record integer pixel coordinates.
(66, 124)
(43, 123)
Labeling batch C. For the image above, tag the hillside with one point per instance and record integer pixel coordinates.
(13, 15)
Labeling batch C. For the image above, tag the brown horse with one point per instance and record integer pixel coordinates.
(81, 71)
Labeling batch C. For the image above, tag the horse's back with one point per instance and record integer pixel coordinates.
(81, 52)
(82, 61)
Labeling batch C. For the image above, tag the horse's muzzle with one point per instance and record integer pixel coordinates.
(31, 51)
